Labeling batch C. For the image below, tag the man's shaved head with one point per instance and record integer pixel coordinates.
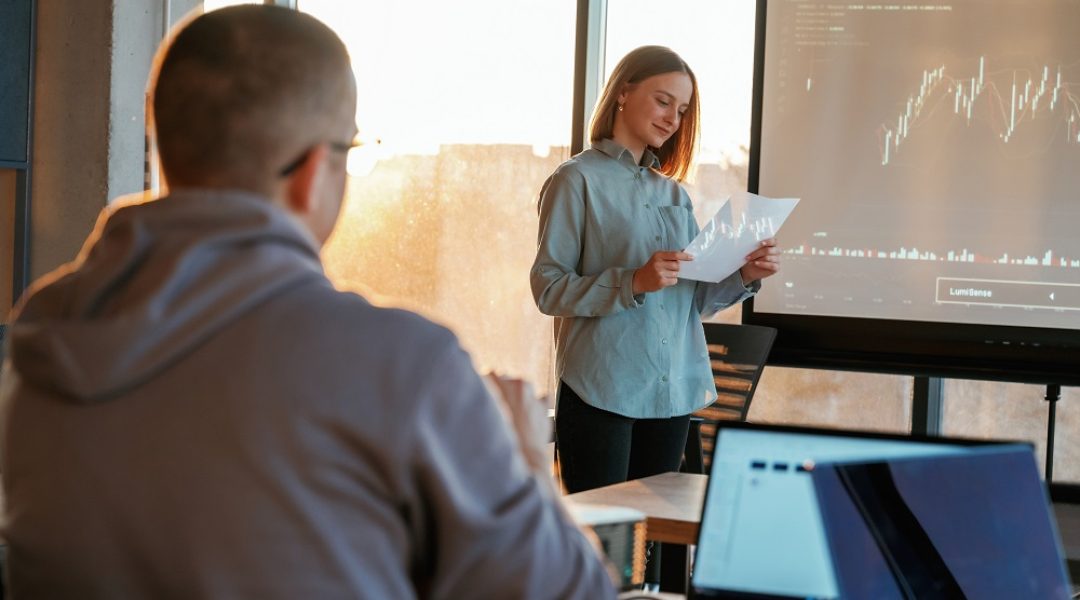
(241, 92)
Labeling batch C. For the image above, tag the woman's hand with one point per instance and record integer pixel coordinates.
(761, 263)
(660, 272)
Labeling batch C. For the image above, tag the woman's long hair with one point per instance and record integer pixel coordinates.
(678, 151)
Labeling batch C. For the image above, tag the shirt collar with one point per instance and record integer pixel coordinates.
(618, 152)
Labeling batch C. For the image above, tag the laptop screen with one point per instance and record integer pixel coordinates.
(964, 526)
(761, 530)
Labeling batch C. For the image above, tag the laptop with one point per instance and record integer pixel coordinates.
(975, 525)
(761, 533)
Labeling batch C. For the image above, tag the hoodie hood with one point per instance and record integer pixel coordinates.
(153, 282)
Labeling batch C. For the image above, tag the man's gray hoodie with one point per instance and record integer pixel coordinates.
(191, 410)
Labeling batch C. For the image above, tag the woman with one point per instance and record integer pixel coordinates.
(630, 347)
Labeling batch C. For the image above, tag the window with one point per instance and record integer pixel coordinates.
(465, 109)
(209, 5)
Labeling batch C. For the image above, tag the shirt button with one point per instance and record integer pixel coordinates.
(647, 205)
(663, 378)
(658, 238)
(661, 307)
(664, 341)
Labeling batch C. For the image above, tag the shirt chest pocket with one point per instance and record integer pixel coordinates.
(676, 221)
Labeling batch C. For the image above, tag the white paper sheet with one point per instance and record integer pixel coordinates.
(734, 232)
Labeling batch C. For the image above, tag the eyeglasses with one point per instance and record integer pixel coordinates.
(335, 146)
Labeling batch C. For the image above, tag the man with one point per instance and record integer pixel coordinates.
(191, 410)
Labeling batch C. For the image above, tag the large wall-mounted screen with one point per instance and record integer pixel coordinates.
(936, 147)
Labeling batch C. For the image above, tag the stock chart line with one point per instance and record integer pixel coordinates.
(759, 228)
(1027, 96)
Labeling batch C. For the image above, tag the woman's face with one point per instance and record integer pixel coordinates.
(652, 110)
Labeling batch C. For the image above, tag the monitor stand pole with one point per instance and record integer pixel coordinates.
(1053, 394)
(926, 406)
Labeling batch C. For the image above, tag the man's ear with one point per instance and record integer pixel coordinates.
(303, 182)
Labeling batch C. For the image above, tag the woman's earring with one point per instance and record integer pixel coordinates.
(620, 108)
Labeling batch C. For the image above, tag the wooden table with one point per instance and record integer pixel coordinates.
(671, 503)
(1068, 520)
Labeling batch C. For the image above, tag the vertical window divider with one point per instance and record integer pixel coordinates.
(588, 66)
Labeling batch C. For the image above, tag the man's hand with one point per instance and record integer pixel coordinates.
(761, 263)
(528, 415)
(660, 272)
